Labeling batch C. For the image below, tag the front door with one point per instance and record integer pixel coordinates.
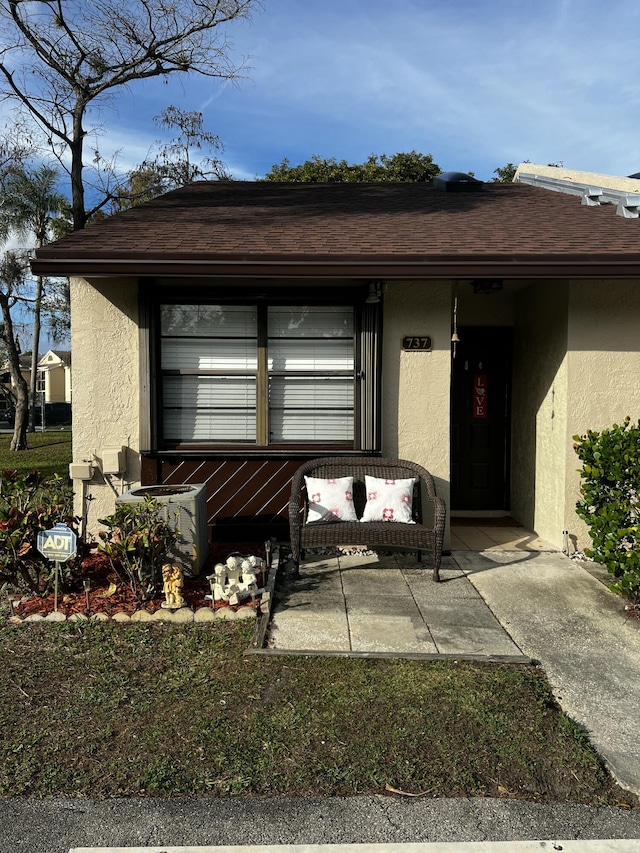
(480, 419)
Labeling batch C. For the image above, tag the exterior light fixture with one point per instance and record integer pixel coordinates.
(375, 292)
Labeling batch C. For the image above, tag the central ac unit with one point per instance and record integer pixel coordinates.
(185, 508)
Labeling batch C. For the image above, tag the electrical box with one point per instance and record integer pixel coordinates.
(81, 470)
(113, 460)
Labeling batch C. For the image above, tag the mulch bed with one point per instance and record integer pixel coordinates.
(95, 568)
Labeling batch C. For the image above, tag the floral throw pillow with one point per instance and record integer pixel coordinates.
(389, 500)
(330, 500)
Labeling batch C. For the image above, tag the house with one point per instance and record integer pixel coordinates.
(53, 381)
(54, 376)
(593, 187)
(228, 330)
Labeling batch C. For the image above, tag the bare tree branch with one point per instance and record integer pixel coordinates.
(61, 56)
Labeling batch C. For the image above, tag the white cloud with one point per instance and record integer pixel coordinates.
(476, 83)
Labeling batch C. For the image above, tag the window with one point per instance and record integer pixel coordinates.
(311, 374)
(209, 361)
(264, 375)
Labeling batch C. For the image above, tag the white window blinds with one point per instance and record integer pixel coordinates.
(214, 360)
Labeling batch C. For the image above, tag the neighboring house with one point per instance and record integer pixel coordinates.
(54, 376)
(54, 379)
(229, 330)
(592, 187)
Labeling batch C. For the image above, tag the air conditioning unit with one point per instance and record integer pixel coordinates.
(186, 511)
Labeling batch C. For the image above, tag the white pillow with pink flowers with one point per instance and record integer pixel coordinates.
(389, 500)
(330, 500)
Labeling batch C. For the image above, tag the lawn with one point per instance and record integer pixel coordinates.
(102, 709)
(49, 452)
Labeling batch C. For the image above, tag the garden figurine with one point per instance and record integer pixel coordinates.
(173, 583)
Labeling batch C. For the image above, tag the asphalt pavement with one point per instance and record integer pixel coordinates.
(59, 825)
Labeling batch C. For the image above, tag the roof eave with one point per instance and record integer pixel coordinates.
(515, 266)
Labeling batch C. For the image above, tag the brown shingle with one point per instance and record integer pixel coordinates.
(332, 223)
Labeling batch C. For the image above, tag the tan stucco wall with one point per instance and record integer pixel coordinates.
(415, 389)
(603, 370)
(539, 408)
(105, 343)
(576, 367)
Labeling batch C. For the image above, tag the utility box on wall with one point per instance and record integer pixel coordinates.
(185, 508)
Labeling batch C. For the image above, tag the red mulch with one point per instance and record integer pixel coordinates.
(95, 568)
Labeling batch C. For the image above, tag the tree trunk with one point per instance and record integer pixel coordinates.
(34, 355)
(77, 185)
(19, 440)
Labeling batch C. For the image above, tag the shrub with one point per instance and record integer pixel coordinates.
(610, 502)
(30, 503)
(138, 539)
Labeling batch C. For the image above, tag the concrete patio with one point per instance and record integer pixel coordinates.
(385, 605)
(370, 604)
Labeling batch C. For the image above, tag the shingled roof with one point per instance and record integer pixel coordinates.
(360, 230)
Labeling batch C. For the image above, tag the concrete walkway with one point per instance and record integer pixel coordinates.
(560, 614)
(386, 606)
(497, 604)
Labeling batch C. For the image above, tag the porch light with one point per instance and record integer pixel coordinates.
(375, 292)
(485, 287)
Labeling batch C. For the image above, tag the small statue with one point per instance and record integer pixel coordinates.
(233, 571)
(173, 583)
(220, 573)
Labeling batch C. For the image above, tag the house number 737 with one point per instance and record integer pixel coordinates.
(417, 342)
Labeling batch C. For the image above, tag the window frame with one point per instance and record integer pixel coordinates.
(353, 296)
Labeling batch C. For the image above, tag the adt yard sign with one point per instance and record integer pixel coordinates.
(58, 544)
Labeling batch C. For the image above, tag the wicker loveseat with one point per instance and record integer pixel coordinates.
(374, 534)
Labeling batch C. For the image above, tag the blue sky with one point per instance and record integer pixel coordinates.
(476, 84)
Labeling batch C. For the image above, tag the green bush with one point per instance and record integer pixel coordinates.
(138, 539)
(30, 503)
(610, 502)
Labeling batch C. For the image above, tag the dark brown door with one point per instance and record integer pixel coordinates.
(480, 419)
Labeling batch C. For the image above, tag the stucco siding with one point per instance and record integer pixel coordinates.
(604, 370)
(415, 392)
(539, 413)
(105, 343)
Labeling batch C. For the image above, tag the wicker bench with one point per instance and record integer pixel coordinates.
(374, 534)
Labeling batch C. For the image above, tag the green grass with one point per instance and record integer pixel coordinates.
(49, 452)
(106, 710)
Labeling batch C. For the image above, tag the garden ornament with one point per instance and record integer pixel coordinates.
(173, 583)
